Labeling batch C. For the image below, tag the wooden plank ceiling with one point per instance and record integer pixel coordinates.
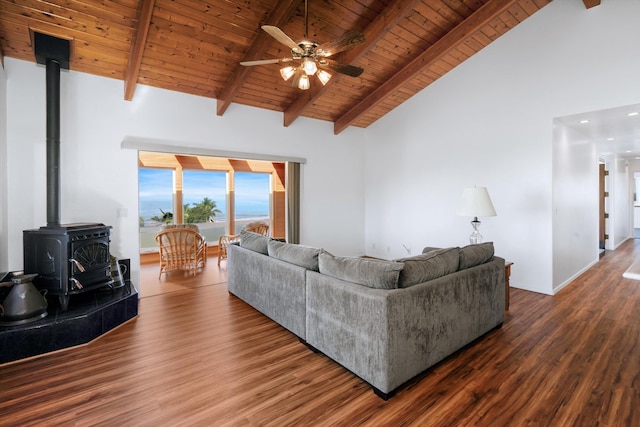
(195, 46)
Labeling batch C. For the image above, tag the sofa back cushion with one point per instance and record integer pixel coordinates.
(368, 272)
(304, 256)
(473, 255)
(255, 242)
(428, 266)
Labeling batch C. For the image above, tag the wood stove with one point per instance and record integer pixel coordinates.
(69, 259)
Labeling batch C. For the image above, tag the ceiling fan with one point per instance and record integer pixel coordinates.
(310, 57)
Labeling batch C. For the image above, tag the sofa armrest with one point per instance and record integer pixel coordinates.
(275, 288)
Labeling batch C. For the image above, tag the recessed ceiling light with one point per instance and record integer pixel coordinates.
(584, 121)
(628, 151)
(635, 113)
(609, 139)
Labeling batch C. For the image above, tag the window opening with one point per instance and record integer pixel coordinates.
(155, 202)
(252, 198)
(204, 198)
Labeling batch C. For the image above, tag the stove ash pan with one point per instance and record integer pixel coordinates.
(69, 259)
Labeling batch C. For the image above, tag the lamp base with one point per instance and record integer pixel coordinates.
(475, 237)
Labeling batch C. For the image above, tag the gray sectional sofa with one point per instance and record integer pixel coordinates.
(385, 321)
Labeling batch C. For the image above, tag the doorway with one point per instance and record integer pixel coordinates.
(636, 205)
(219, 195)
(603, 215)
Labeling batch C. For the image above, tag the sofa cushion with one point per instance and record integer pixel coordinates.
(372, 273)
(254, 241)
(304, 256)
(428, 266)
(473, 255)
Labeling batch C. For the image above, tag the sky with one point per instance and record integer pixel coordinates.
(156, 186)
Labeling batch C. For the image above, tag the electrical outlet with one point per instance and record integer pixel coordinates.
(373, 246)
(388, 248)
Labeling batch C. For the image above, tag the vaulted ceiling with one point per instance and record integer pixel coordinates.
(195, 46)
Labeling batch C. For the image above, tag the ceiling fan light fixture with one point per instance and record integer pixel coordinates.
(303, 82)
(309, 66)
(324, 76)
(287, 72)
(300, 79)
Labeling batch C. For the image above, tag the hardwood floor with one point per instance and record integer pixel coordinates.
(198, 356)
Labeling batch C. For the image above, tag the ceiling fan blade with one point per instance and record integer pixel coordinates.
(279, 35)
(347, 41)
(265, 61)
(339, 67)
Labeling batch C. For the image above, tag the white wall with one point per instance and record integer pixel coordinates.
(621, 228)
(634, 169)
(575, 194)
(4, 241)
(94, 121)
(489, 122)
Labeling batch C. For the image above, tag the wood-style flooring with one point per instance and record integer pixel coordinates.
(196, 356)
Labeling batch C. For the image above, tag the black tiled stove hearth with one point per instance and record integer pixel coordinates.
(91, 315)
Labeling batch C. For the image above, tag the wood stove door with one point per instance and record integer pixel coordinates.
(89, 264)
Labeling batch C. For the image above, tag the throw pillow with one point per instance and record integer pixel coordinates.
(304, 256)
(254, 241)
(372, 273)
(473, 255)
(428, 266)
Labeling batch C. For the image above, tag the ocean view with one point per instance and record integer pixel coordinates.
(149, 210)
(251, 192)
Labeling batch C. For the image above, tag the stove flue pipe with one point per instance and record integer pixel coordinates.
(54, 53)
(53, 143)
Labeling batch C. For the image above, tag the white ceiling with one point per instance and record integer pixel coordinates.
(613, 123)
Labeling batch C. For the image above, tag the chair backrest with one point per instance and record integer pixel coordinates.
(257, 227)
(193, 227)
(177, 242)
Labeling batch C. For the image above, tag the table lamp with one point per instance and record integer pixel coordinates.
(475, 202)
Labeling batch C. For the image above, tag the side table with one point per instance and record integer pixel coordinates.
(507, 273)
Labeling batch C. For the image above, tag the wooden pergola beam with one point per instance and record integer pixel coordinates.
(280, 15)
(591, 3)
(137, 48)
(471, 24)
(378, 28)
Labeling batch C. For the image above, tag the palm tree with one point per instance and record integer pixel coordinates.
(166, 218)
(204, 211)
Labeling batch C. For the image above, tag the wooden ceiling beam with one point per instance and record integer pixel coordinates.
(591, 3)
(376, 30)
(461, 32)
(137, 48)
(280, 15)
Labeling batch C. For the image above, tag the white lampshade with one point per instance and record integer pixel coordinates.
(324, 76)
(475, 202)
(301, 80)
(287, 72)
(309, 66)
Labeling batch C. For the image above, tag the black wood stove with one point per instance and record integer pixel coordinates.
(68, 258)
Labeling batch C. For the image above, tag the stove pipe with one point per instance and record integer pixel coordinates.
(53, 143)
(54, 54)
